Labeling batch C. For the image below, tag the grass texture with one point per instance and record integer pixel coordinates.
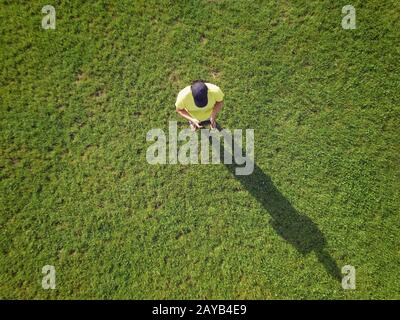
(76, 191)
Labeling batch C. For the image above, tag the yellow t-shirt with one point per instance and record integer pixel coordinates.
(185, 101)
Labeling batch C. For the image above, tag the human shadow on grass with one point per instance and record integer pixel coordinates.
(295, 228)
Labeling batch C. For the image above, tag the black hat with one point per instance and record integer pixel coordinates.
(199, 92)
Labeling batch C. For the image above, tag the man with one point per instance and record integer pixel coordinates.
(200, 104)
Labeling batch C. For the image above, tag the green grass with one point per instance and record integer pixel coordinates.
(76, 191)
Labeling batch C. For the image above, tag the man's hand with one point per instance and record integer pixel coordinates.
(196, 123)
(212, 122)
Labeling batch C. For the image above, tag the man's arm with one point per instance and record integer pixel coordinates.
(183, 113)
(217, 108)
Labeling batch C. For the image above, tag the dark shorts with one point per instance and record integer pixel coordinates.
(203, 123)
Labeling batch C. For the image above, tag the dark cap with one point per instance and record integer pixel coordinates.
(199, 92)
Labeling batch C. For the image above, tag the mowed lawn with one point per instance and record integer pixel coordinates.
(76, 191)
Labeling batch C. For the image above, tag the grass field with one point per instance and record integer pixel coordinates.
(76, 191)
